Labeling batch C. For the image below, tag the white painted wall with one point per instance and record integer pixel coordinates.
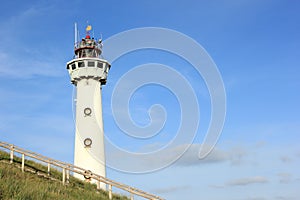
(91, 158)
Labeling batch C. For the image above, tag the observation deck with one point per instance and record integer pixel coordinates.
(87, 62)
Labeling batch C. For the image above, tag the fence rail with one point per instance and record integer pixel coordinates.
(67, 168)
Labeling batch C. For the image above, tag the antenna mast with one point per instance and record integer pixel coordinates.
(76, 34)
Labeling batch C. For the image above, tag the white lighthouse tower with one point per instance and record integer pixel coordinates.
(88, 72)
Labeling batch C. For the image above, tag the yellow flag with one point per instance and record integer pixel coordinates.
(88, 28)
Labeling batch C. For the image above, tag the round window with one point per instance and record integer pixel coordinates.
(87, 142)
(87, 111)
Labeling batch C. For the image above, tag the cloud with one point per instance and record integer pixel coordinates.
(190, 157)
(159, 157)
(171, 189)
(25, 67)
(22, 55)
(243, 182)
(260, 144)
(285, 159)
(247, 181)
(284, 177)
(285, 198)
(256, 198)
(217, 186)
(154, 160)
(47, 134)
(17, 22)
(235, 156)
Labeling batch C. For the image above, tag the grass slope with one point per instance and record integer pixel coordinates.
(16, 185)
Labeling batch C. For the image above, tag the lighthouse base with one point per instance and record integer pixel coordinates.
(90, 163)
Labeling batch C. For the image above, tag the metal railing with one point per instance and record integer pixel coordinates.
(67, 168)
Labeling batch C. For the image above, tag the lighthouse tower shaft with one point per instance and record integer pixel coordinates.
(88, 73)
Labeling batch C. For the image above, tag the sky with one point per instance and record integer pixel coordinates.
(255, 47)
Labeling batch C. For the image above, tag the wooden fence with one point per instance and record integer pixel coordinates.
(67, 168)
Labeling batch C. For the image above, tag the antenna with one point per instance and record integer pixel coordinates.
(76, 34)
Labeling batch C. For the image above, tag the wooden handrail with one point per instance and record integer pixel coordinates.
(75, 169)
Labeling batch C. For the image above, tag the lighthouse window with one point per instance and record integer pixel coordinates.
(89, 52)
(80, 64)
(99, 65)
(87, 142)
(94, 53)
(87, 111)
(91, 64)
(73, 66)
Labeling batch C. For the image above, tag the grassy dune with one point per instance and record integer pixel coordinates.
(33, 184)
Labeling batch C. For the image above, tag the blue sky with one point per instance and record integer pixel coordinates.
(255, 45)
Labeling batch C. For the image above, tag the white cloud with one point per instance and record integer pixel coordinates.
(247, 181)
(15, 66)
(45, 134)
(16, 22)
(23, 56)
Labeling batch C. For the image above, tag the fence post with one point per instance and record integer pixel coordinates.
(109, 191)
(98, 185)
(48, 168)
(11, 153)
(68, 176)
(131, 196)
(64, 176)
(23, 162)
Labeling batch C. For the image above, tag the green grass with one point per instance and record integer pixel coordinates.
(16, 185)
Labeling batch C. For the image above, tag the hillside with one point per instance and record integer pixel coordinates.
(35, 184)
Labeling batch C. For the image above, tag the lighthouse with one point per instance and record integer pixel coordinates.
(88, 72)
